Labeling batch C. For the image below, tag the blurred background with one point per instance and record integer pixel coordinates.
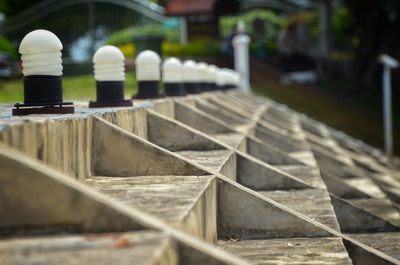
(316, 56)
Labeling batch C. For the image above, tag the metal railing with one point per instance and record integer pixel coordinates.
(44, 8)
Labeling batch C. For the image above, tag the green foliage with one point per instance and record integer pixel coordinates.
(272, 21)
(266, 41)
(343, 28)
(7, 47)
(171, 46)
(202, 47)
(13, 7)
(126, 35)
(195, 48)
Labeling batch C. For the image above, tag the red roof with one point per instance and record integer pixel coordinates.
(188, 7)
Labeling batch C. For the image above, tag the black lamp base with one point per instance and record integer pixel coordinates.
(174, 90)
(110, 104)
(148, 90)
(37, 108)
(139, 96)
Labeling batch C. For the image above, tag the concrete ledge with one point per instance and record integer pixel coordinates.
(352, 218)
(113, 149)
(259, 176)
(269, 154)
(175, 136)
(36, 198)
(244, 216)
(199, 120)
(145, 247)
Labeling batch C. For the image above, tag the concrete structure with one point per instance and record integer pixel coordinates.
(213, 178)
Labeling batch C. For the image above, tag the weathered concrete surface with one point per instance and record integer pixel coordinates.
(243, 113)
(220, 113)
(62, 143)
(185, 202)
(383, 208)
(309, 175)
(228, 168)
(84, 208)
(257, 176)
(306, 157)
(236, 206)
(116, 159)
(199, 120)
(282, 142)
(175, 136)
(140, 150)
(313, 203)
(340, 188)
(142, 247)
(353, 219)
(269, 153)
(322, 250)
(231, 139)
(208, 159)
(37, 199)
(388, 243)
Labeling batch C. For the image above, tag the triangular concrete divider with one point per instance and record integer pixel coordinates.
(257, 175)
(279, 141)
(219, 112)
(34, 196)
(60, 199)
(341, 189)
(362, 254)
(199, 120)
(233, 106)
(228, 106)
(174, 135)
(269, 154)
(243, 215)
(353, 219)
(113, 151)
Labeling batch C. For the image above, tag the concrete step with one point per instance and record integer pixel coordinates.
(211, 160)
(232, 106)
(268, 153)
(142, 247)
(220, 113)
(231, 139)
(379, 207)
(309, 175)
(200, 120)
(313, 203)
(366, 185)
(280, 141)
(323, 250)
(185, 202)
(270, 119)
(388, 242)
(307, 157)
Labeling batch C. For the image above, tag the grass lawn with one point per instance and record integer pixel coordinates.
(76, 87)
(355, 120)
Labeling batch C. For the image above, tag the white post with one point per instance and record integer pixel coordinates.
(388, 64)
(241, 52)
(325, 28)
(183, 29)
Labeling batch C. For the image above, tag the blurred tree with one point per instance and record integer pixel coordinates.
(376, 25)
(13, 7)
(159, 2)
